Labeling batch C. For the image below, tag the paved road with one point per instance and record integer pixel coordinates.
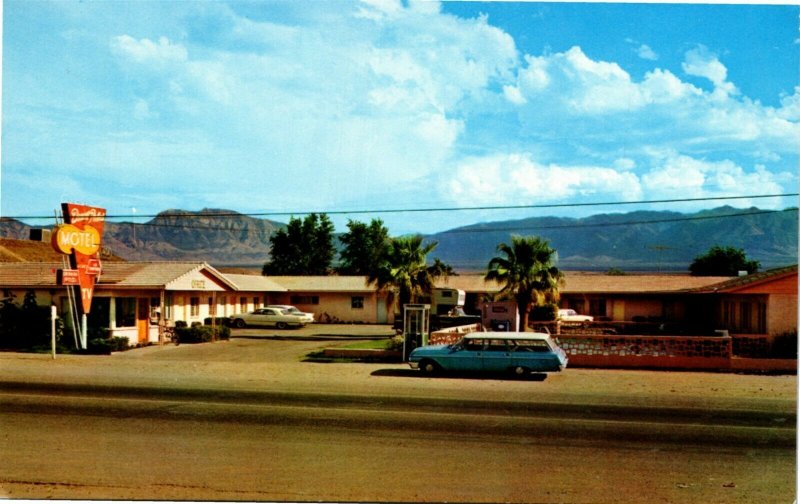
(249, 420)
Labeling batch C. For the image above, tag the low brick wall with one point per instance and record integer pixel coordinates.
(452, 334)
(664, 352)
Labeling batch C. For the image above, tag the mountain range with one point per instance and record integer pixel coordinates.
(634, 241)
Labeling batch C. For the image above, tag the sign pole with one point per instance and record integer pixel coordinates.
(53, 329)
(84, 331)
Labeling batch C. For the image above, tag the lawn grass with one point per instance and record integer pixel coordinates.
(381, 344)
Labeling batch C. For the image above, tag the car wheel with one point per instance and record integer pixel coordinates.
(239, 323)
(520, 371)
(428, 367)
(281, 325)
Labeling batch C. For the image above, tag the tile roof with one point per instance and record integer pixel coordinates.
(324, 283)
(755, 278)
(579, 282)
(255, 283)
(117, 274)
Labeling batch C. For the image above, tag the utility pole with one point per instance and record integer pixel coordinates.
(660, 249)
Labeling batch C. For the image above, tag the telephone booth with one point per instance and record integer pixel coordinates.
(415, 327)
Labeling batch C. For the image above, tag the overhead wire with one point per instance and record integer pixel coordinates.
(188, 214)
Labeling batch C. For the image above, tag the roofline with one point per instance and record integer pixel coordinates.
(750, 280)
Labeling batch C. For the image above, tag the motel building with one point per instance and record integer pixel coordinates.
(131, 298)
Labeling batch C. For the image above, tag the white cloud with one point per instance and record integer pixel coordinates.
(147, 51)
(514, 95)
(646, 52)
(687, 177)
(596, 106)
(517, 177)
(700, 62)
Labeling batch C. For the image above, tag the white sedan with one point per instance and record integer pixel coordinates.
(569, 315)
(309, 317)
(268, 316)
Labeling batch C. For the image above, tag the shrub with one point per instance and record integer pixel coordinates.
(119, 344)
(98, 346)
(219, 321)
(784, 346)
(201, 333)
(544, 312)
(104, 346)
(26, 326)
(396, 343)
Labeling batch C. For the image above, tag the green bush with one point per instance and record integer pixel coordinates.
(202, 334)
(784, 346)
(543, 312)
(98, 346)
(396, 343)
(25, 327)
(104, 346)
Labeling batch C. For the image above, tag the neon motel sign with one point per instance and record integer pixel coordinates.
(80, 237)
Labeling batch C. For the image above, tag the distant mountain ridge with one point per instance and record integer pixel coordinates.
(634, 241)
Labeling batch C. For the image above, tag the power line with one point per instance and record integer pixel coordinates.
(426, 210)
(494, 229)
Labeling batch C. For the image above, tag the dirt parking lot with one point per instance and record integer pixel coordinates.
(270, 359)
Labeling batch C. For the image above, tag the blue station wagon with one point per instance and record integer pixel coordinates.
(518, 353)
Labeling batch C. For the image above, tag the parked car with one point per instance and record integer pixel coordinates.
(268, 316)
(294, 311)
(570, 315)
(519, 353)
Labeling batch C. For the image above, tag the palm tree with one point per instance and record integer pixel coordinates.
(527, 270)
(404, 271)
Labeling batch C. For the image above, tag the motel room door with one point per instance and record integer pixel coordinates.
(143, 319)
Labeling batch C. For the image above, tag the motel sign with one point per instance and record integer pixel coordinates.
(80, 237)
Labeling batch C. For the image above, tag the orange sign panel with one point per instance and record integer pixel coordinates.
(80, 237)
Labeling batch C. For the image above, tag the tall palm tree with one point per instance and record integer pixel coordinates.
(527, 270)
(404, 272)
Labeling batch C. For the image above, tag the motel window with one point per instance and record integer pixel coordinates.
(729, 315)
(597, 307)
(257, 302)
(746, 314)
(761, 323)
(167, 306)
(243, 303)
(304, 300)
(194, 306)
(126, 311)
(155, 308)
(357, 302)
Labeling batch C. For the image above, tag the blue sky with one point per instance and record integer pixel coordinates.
(292, 107)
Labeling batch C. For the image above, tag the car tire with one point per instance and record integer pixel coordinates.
(239, 323)
(428, 367)
(281, 325)
(520, 371)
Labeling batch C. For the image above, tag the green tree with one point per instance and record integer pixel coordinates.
(404, 272)
(304, 247)
(527, 270)
(722, 261)
(365, 245)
